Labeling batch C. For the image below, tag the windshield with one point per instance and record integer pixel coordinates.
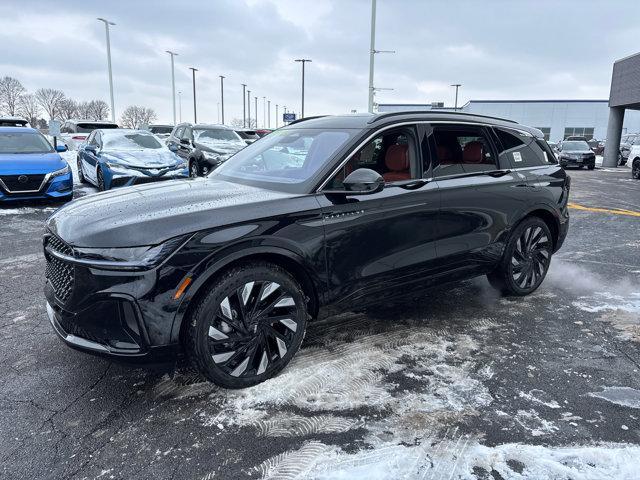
(161, 130)
(578, 145)
(284, 158)
(24, 143)
(90, 127)
(129, 141)
(215, 135)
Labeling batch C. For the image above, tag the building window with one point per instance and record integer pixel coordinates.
(579, 132)
(546, 131)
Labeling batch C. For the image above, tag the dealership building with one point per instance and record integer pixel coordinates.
(557, 119)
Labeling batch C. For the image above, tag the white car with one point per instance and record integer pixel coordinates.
(74, 132)
(634, 158)
(9, 121)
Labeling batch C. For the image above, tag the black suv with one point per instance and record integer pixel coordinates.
(322, 216)
(204, 146)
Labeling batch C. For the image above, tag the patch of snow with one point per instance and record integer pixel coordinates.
(625, 396)
(538, 396)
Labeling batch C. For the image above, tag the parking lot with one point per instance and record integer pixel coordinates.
(459, 383)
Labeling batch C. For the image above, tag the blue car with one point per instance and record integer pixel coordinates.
(122, 157)
(30, 168)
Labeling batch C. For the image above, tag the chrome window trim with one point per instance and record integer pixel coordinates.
(404, 124)
(44, 182)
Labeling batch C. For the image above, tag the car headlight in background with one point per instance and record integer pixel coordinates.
(212, 157)
(62, 171)
(119, 167)
(129, 258)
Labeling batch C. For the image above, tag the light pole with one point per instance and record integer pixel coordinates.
(249, 108)
(303, 61)
(180, 105)
(173, 84)
(195, 113)
(264, 112)
(222, 77)
(372, 53)
(268, 113)
(244, 106)
(276, 115)
(106, 27)
(457, 85)
(256, 110)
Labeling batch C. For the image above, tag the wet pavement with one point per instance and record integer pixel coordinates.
(457, 383)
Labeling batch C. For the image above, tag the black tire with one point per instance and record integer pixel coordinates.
(529, 250)
(635, 169)
(100, 180)
(238, 335)
(591, 167)
(80, 172)
(194, 170)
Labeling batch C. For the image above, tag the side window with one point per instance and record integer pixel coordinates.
(521, 150)
(392, 154)
(178, 132)
(188, 134)
(462, 149)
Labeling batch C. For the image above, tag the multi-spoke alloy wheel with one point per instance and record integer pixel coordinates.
(249, 326)
(526, 259)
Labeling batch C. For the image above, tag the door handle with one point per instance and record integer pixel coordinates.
(497, 173)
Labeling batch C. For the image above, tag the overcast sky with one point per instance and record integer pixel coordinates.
(496, 49)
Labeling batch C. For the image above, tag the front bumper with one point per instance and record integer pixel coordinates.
(577, 162)
(57, 188)
(128, 177)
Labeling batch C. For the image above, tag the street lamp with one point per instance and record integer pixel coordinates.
(244, 106)
(173, 84)
(268, 113)
(249, 108)
(457, 85)
(106, 27)
(180, 105)
(303, 61)
(256, 110)
(193, 74)
(372, 53)
(276, 115)
(264, 112)
(222, 77)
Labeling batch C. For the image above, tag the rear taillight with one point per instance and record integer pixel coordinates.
(79, 137)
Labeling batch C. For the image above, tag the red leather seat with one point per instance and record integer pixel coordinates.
(397, 161)
(445, 157)
(473, 153)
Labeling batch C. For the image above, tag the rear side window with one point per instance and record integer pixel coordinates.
(521, 150)
(178, 132)
(462, 149)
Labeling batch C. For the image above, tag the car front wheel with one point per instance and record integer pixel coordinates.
(80, 172)
(635, 169)
(193, 169)
(100, 178)
(526, 259)
(248, 326)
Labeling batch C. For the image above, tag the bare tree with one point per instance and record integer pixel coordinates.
(68, 109)
(135, 116)
(29, 108)
(98, 110)
(237, 123)
(83, 110)
(49, 99)
(10, 91)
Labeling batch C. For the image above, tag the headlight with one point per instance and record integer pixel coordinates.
(213, 157)
(129, 258)
(62, 171)
(117, 166)
(182, 164)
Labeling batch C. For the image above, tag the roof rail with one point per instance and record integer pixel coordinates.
(382, 116)
(305, 119)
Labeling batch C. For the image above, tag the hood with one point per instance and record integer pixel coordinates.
(152, 213)
(150, 157)
(221, 147)
(18, 163)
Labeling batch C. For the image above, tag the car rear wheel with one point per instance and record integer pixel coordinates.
(635, 169)
(80, 172)
(100, 178)
(248, 326)
(526, 259)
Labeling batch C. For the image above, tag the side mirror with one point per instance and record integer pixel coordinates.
(185, 141)
(362, 181)
(173, 147)
(90, 149)
(61, 147)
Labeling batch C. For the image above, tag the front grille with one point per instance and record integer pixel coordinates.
(22, 183)
(59, 273)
